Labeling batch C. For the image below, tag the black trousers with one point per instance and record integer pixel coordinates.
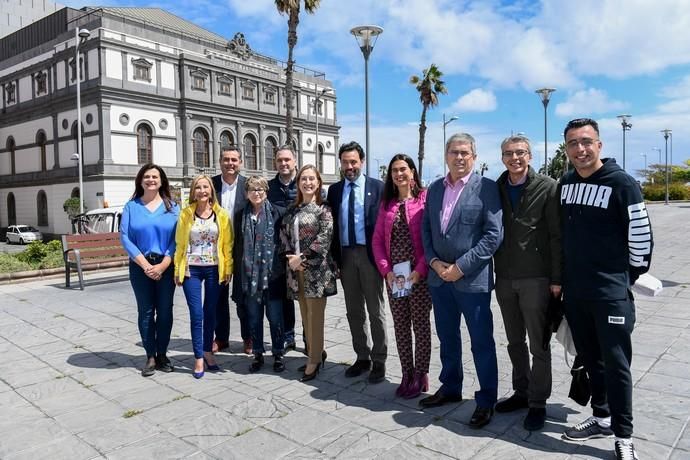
(602, 334)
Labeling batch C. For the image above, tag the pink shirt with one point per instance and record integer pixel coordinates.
(450, 197)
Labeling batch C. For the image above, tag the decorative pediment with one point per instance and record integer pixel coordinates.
(225, 79)
(141, 62)
(198, 73)
(239, 46)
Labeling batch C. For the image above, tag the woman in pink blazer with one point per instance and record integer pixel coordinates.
(398, 251)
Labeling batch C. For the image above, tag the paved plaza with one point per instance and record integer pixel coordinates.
(70, 386)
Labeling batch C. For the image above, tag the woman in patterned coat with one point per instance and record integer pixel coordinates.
(306, 240)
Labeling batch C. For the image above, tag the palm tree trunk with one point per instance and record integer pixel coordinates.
(422, 133)
(293, 21)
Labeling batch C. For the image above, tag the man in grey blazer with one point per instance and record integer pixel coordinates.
(461, 230)
(232, 196)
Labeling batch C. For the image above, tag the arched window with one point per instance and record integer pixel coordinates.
(319, 156)
(144, 145)
(12, 146)
(41, 141)
(249, 151)
(11, 210)
(201, 157)
(270, 146)
(226, 140)
(42, 208)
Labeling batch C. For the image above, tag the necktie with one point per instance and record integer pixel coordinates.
(351, 237)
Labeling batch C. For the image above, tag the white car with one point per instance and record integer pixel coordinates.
(23, 234)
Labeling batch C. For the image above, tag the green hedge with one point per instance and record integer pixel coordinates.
(36, 255)
(657, 192)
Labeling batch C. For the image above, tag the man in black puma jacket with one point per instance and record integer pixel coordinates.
(607, 245)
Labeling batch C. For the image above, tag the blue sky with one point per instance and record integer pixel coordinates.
(604, 57)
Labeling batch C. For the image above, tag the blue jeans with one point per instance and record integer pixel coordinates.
(202, 314)
(288, 306)
(274, 313)
(449, 305)
(155, 306)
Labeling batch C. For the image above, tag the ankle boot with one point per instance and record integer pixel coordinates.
(419, 384)
(405, 383)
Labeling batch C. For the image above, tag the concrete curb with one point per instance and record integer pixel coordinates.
(29, 275)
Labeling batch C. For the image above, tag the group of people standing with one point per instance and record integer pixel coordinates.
(585, 240)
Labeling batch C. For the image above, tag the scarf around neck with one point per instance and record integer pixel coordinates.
(257, 253)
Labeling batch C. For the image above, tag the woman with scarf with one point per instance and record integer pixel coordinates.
(258, 282)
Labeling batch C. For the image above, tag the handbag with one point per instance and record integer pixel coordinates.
(580, 391)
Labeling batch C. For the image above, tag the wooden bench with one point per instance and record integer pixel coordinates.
(100, 249)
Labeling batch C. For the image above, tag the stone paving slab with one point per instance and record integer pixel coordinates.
(71, 387)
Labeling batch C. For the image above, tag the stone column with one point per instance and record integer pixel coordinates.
(214, 147)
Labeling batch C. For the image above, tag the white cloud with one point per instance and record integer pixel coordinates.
(588, 102)
(477, 100)
(616, 39)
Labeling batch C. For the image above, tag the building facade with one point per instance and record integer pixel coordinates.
(15, 14)
(154, 87)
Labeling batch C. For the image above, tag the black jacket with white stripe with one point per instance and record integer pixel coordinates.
(606, 233)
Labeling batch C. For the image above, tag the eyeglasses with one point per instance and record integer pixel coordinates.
(586, 142)
(259, 191)
(462, 153)
(517, 153)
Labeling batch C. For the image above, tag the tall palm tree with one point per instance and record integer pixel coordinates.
(429, 86)
(291, 8)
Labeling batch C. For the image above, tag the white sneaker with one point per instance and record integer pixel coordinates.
(625, 450)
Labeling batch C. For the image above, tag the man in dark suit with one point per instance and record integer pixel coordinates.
(461, 230)
(282, 192)
(355, 204)
(232, 196)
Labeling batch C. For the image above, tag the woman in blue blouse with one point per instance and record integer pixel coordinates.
(147, 231)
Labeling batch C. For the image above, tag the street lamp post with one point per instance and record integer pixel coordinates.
(317, 96)
(80, 36)
(645, 164)
(667, 133)
(366, 38)
(626, 127)
(445, 123)
(658, 150)
(545, 95)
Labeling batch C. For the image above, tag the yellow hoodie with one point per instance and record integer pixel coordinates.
(225, 240)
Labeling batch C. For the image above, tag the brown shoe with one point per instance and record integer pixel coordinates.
(219, 345)
(248, 346)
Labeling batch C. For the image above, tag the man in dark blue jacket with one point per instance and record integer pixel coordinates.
(282, 191)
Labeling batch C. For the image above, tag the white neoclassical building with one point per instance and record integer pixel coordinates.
(154, 87)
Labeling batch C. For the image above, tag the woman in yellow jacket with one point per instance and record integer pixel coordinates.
(203, 255)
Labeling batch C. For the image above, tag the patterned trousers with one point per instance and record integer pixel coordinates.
(410, 314)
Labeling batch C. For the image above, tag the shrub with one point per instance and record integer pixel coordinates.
(10, 263)
(41, 255)
(657, 192)
(34, 253)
